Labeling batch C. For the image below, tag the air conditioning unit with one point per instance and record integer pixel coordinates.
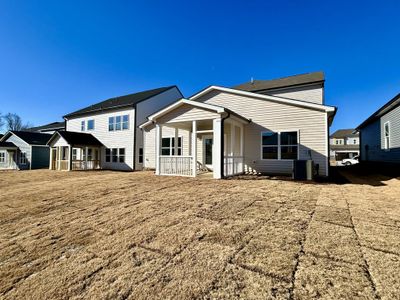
(303, 170)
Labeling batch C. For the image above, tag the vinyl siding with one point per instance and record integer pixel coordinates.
(273, 116)
(6, 164)
(314, 94)
(22, 147)
(393, 117)
(40, 157)
(187, 113)
(148, 107)
(110, 139)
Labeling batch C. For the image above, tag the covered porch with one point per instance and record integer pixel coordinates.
(74, 151)
(214, 140)
(8, 155)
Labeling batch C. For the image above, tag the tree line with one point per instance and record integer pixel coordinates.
(12, 121)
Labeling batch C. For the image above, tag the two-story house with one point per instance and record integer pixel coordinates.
(380, 134)
(262, 126)
(344, 143)
(105, 135)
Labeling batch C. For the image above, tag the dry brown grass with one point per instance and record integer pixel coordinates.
(110, 235)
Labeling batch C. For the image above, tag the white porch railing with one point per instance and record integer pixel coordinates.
(233, 165)
(176, 165)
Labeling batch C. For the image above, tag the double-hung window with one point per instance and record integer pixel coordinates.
(269, 145)
(82, 125)
(118, 123)
(22, 158)
(386, 132)
(115, 155)
(90, 125)
(283, 145)
(2, 157)
(168, 146)
(140, 155)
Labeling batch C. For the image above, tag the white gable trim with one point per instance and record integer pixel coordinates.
(7, 136)
(265, 97)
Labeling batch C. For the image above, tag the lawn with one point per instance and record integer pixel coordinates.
(111, 235)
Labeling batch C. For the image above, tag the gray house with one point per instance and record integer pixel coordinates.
(24, 150)
(380, 134)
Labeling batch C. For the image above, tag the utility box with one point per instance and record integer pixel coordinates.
(303, 170)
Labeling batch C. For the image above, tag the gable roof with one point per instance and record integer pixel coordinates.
(392, 104)
(76, 138)
(121, 101)
(7, 145)
(50, 126)
(31, 138)
(343, 133)
(296, 80)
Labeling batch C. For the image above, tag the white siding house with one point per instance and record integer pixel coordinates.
(232, 131)
(113, 123)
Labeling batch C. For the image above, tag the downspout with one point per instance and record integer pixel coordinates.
(223, 144)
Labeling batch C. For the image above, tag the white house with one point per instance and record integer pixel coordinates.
(256, 127)
(106, 135)
(344, 143)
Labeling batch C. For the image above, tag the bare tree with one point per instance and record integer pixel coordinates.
(1, 122)
(14, 122)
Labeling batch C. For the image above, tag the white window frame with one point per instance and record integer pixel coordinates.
(118, 155)
(22, 158)
(270, 146)
(2, 157)
(87, 125)
(112, 126)
(171, 148)
(386, 139)
(279, 145)
(83, 124)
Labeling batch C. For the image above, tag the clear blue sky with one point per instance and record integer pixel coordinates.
(56, 57)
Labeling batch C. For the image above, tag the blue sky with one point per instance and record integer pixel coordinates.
(56, 57)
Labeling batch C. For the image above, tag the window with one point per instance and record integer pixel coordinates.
(114, 154)
(74, 154)
(289, 145)
(140, 155)
(82, 125)
(118, 123)
(121, 155)
(90, 125)
(282, 145)
(108, 155)
(354, 141)
(2, 157)
(168, 146)
(386, 131)
(269, 145)
(22, 158)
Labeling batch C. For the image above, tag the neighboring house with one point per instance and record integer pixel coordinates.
(256, 127)
(24, 150)
(49, 128)
(380, 134)
(345, 143)
(109, 136)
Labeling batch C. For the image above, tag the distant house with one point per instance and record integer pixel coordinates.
(24, 150)
(380, 134)
(344, 143)
(49, 128)
(262, 126)
(105, 135)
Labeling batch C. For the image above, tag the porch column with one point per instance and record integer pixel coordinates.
(51, 158)
(194, 147)
(241, 140)
(86, 157)
(217, 149)
(69, 158)
(233, 137)
(158, 148)
(176, 142)
(58, 158)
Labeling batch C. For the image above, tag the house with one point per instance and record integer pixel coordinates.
(24, 150)
(49, 128)
(105, 135)
(380, 134)
(344, 143)
(262, 126)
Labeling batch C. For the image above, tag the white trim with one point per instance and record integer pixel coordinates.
(265, 97)
(327, 146)
(279, 146)
(386, 143)
(204, 138)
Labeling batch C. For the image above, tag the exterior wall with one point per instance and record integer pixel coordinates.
(22, 147)
(352, 141)
(273, 116)
(40, 157)
(372, 139)
(110, 139)
(150, 143)
(187, 113)
(312, 93)
(148, 107)
(7, 156)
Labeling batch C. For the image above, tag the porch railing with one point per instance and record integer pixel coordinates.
(85, 165)
(233, 165)
(176, 165)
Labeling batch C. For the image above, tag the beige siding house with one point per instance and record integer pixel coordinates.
(257, 127)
